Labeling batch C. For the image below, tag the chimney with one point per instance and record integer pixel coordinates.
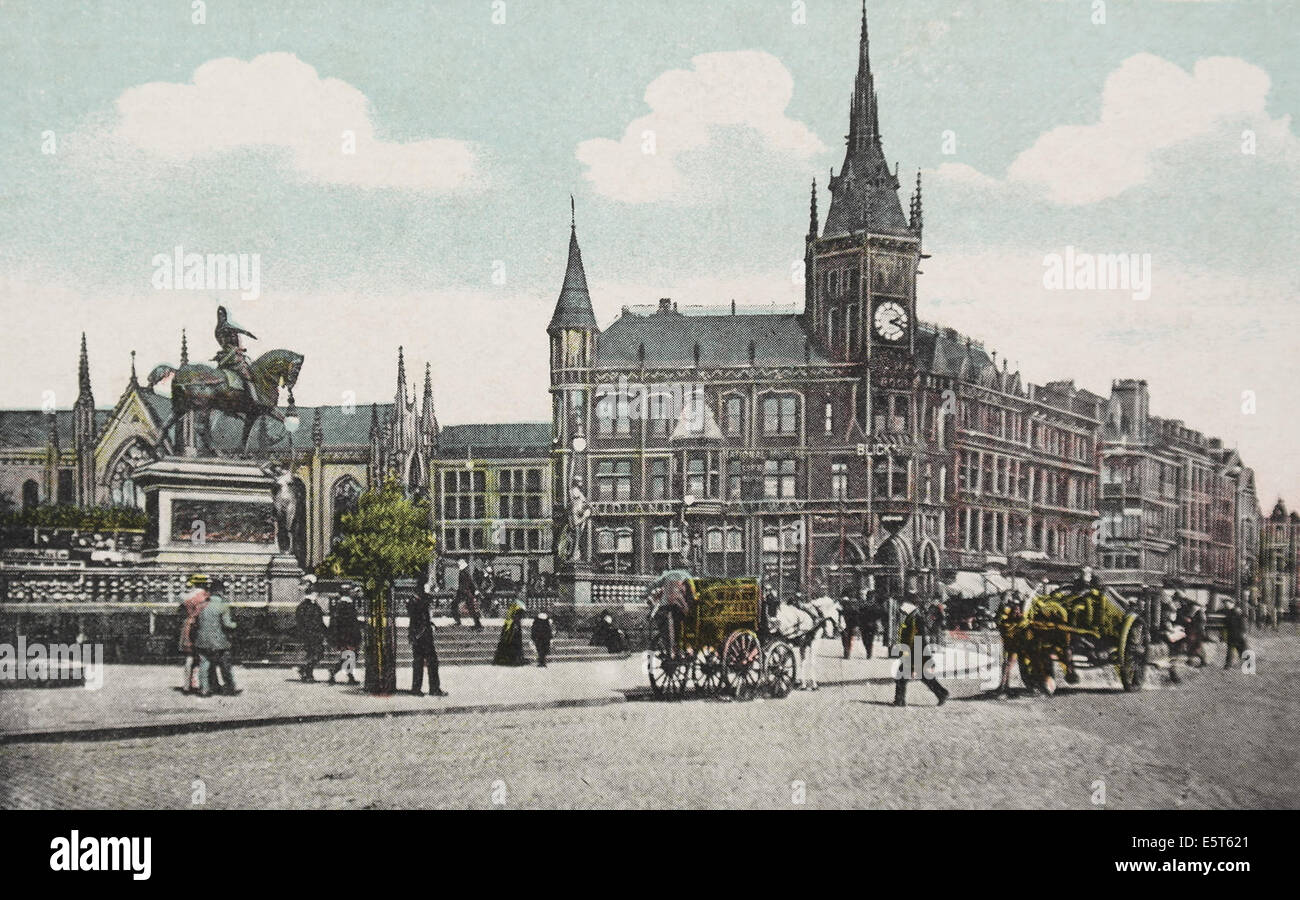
(665, 305)
(733, 307)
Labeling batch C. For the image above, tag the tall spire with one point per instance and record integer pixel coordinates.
(428, 418)
(573, 308)
(185, 349)
(812, 211)
(864, 196)
(135, 381)
(401, 378)
(864, 127)
(83, 374)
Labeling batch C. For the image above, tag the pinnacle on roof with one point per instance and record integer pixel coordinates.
(83, 374)
(573, 308)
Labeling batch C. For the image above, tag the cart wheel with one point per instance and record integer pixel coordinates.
(742, 663)
(706, 672)
(667, 672)
(779, 663)
(1133, 654)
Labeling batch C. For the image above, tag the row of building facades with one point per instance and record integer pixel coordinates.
(842, 446)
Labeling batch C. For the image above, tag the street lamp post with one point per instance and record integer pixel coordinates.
(687, 501)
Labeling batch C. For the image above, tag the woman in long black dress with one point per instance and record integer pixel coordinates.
(510, 649)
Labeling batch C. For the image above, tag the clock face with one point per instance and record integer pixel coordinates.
(891, 321)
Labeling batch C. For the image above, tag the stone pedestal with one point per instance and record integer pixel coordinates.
(285, 579)
(575, 583)
(212, 515)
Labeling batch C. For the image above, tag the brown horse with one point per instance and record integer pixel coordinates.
(202, 389)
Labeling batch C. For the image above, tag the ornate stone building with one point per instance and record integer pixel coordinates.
(818, 448)
(1278, 554)
(1178, 508)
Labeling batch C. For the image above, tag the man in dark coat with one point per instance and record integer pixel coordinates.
(541, 634)
(424, 654)
(311, 632)
(870, 612)
(1234, 633)
(911, 631)
(346, 632)
(466, 591)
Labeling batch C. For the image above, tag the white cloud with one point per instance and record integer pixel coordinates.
(277, 101)
(742, 89)
(1148, 105)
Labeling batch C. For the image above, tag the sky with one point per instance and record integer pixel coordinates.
(688, 134)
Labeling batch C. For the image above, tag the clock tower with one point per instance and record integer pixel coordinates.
(860, 287)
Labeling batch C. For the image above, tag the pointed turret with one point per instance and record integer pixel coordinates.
(573, 308)
(864, 196)
(185, 349)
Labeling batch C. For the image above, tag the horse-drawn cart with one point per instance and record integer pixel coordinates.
(1068, 626)
(711, 635)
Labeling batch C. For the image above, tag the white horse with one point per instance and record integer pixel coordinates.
(801, 624)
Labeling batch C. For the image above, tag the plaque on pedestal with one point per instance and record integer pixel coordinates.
(212, 513)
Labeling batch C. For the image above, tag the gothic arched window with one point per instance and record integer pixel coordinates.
(122, 490)
(344, 500)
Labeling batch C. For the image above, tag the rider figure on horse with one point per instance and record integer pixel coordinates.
(232, 358)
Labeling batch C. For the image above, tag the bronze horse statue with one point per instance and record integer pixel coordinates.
(202, 389)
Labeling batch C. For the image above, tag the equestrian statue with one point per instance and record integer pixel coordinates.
(235, 387)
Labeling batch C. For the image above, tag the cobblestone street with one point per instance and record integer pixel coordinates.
(1218, 740)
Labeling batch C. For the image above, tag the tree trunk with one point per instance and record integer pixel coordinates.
(381, 642)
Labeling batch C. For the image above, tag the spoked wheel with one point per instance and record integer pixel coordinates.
(1133, 654)
(667, 672)
(707, 672)
(779, 663)
(742, 662)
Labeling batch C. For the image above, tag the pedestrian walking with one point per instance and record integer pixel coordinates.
(850, 612)
(541, 634)
(311, 630)
(212, 640)
(424, 655)
(1234, 633)
(190, 610)
(912, 638)
(345, 631)
(870, 613)
(466, 591)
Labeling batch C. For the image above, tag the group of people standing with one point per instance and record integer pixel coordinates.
(344, 633)
(206, 624)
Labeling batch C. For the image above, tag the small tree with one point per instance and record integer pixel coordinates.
(387, 538)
